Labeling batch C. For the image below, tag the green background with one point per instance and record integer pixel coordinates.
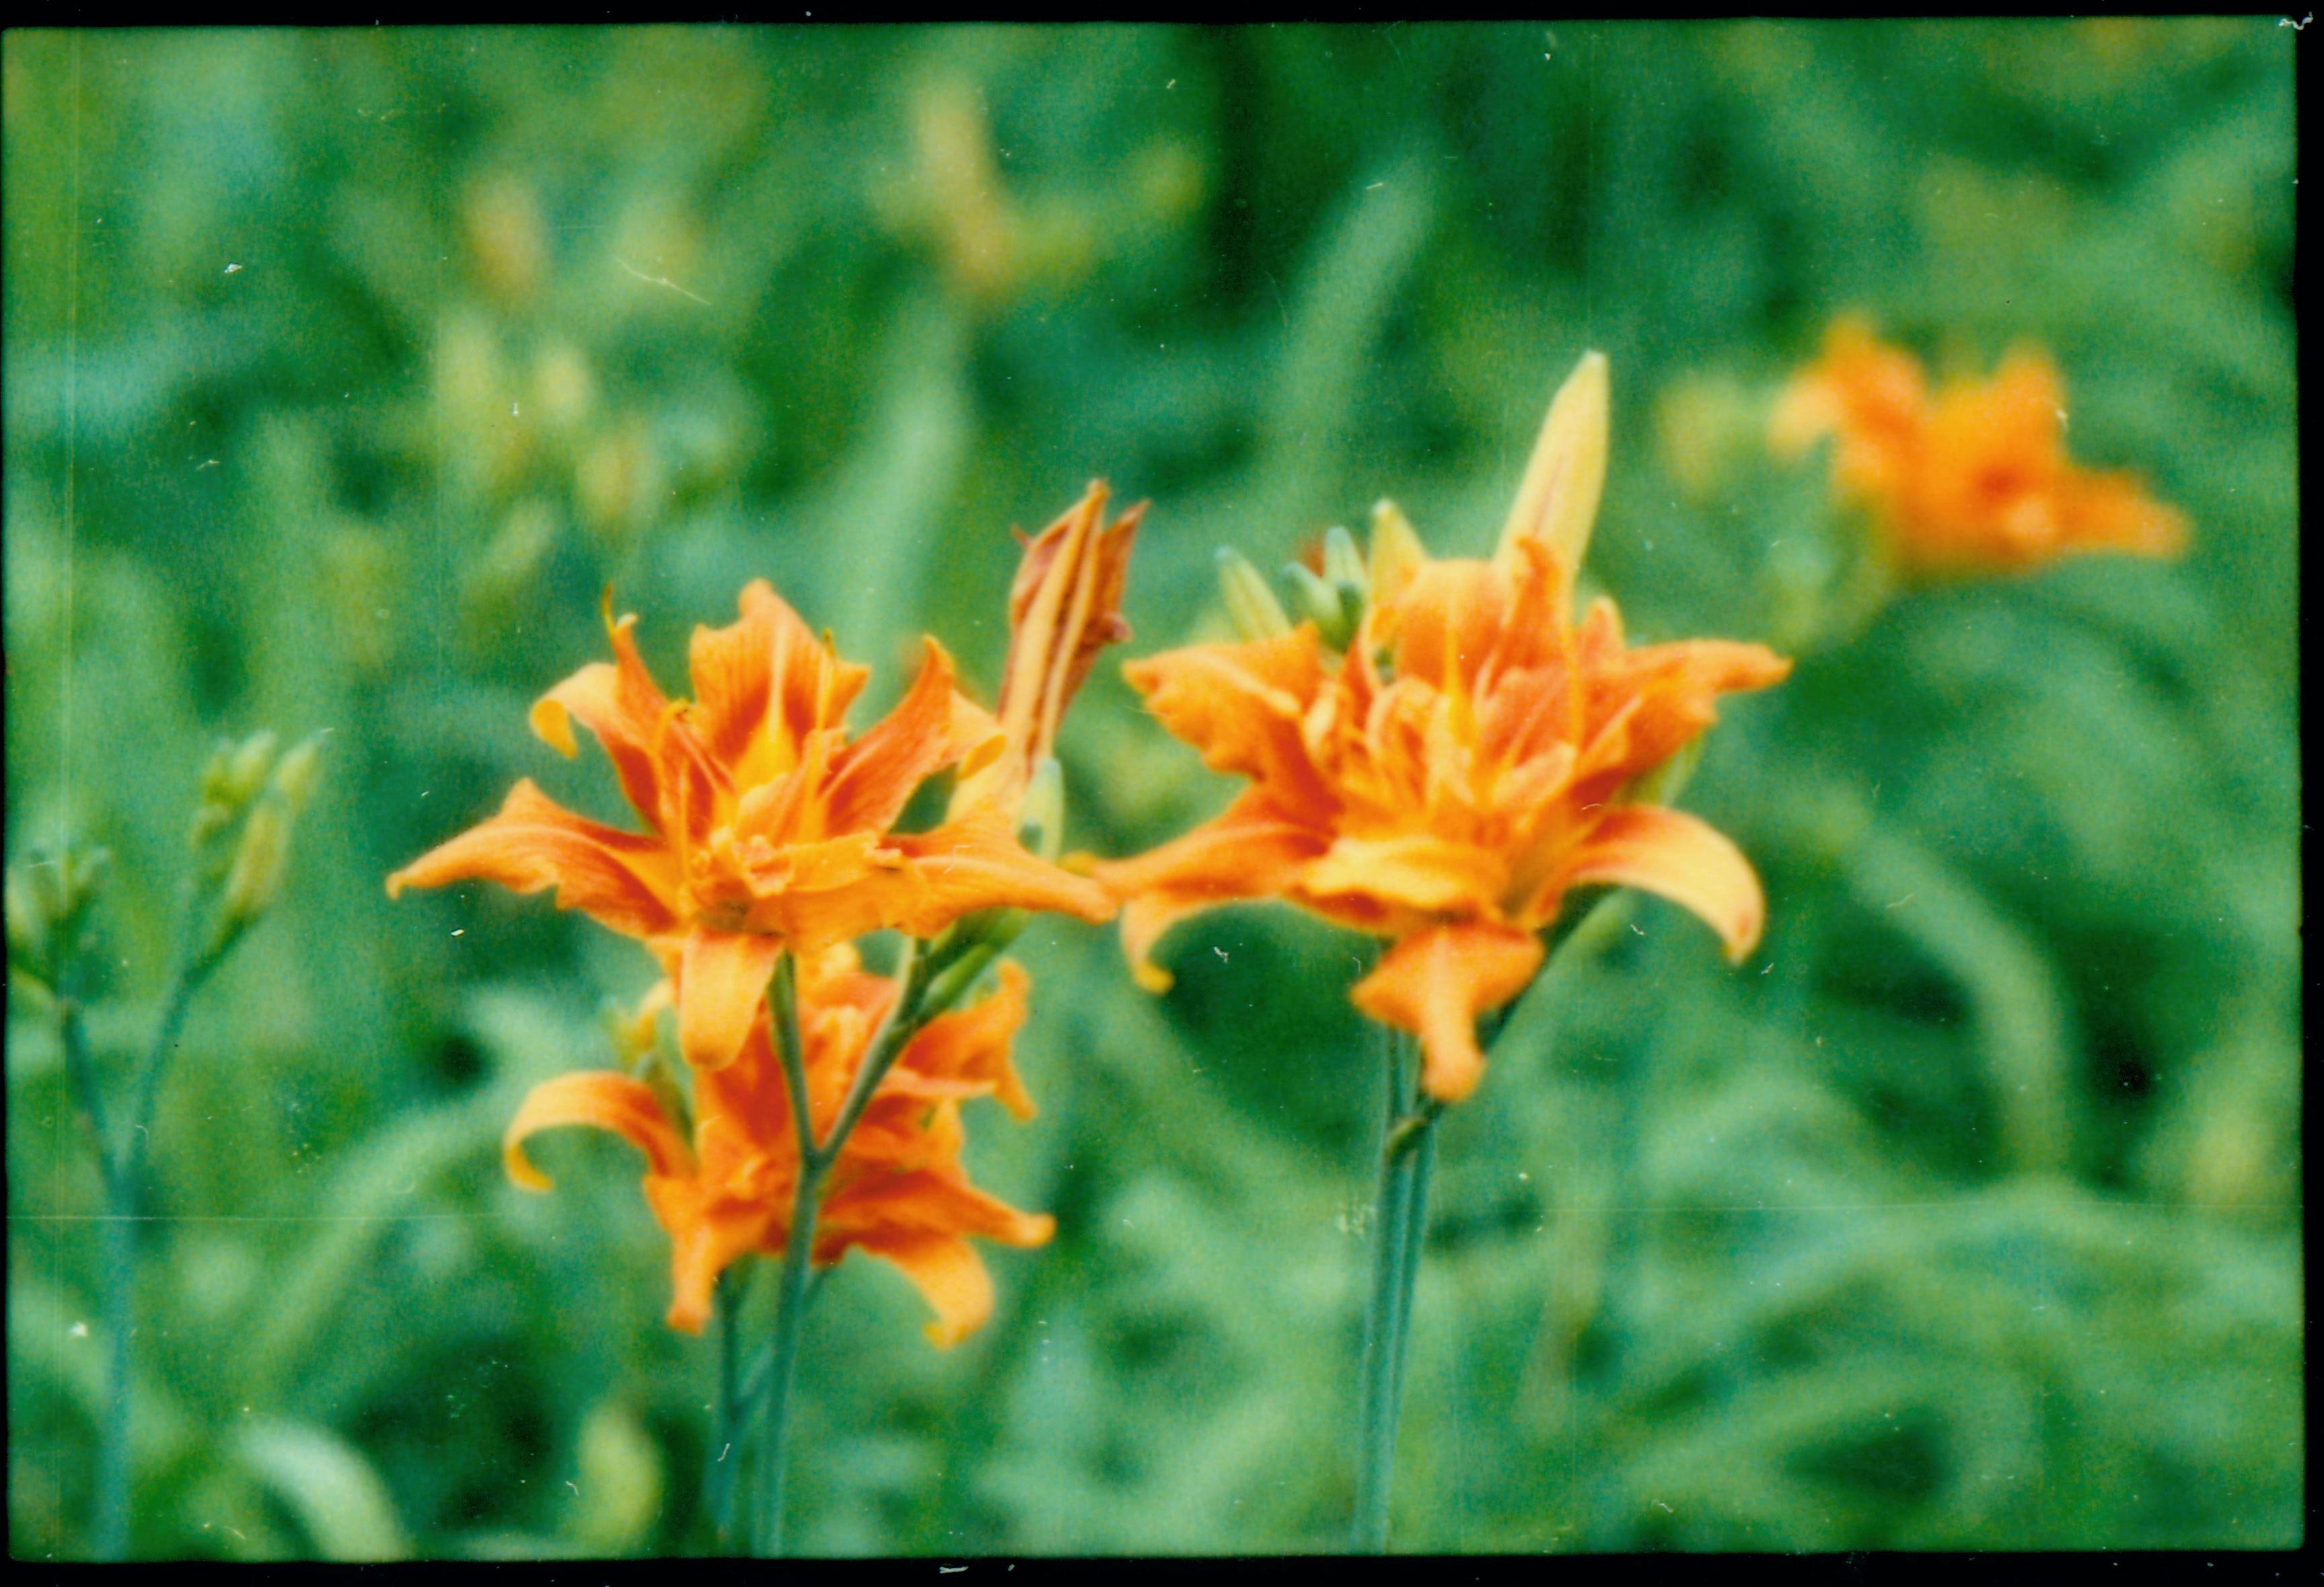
(344, 370)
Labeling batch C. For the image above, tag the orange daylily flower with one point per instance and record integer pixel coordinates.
(1064, 607)
(1464, 764)
(769, 826)
(897, 1190)
(1975, 478)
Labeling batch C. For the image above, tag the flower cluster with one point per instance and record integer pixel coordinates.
(1975, 478)
(769, 830)
(1470, 757)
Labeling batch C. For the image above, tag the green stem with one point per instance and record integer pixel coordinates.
(124, 1169)
(816, 1161)
(790, 1314)
(725, 1451)
(887, 1045)
(1408, 1152)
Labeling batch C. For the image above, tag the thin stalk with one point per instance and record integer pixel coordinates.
(726, 1452)
(790, 1312)
(124, 1169)
(1407, 1152)
(902, 1023)
(796, 1282)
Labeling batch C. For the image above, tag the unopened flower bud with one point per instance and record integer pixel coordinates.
(255, 876)
(1041, 818)
(1395, 552)
(295, 774)
(1334, 608)
(85, 877)
(1251, 606)
(247, 767)
(1343, 563)
(28, 919)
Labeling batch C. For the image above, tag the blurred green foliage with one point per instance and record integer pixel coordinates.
(344, 370)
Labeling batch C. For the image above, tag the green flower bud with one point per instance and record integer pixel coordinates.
(245, 769)
(1334, 608)
(1343, 563)
(295, 775)
(1251, 606)
(255, 877)
(28, 920)
(1041, 818)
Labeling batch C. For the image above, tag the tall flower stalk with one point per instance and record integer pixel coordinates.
(240, 838)
(817, 1109)
(1440, 755)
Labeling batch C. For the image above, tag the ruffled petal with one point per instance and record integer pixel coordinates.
(1435, 983)
(976, 862)
(971, 1045)
(721, 982)
(620, 703)
(872, 779)
(1248, 851)
(1416, 870)
(762, 684)
(705, 1239)
(617, 878)
(950, 1277)
(1243, 706)
(1672, 855)
(604, 1101)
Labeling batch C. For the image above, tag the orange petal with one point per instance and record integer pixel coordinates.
(1450, 621)
(617, 878)
(1065, 606)
(976, 862)
(950, 1277)
(1434, 985)
(620, 703)
(2112, 513)
(1248, 851)
(1241, 705)
(606, 1102)
(973, 1043)
(704, 1241)
(1418, 871)
(1676, 856)
(767, 681)
(721, 984)
(873, 778)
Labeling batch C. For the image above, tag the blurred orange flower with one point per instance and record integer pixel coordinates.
(768, 827)
(1065, 606)
(1976, 478)
(1471, 757)
(897, 1189)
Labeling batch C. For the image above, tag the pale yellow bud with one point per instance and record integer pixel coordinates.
(1557, 501)
(1396, 552)
(295, 775)
(246, 768)
(255, 877)
(1251, 606)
